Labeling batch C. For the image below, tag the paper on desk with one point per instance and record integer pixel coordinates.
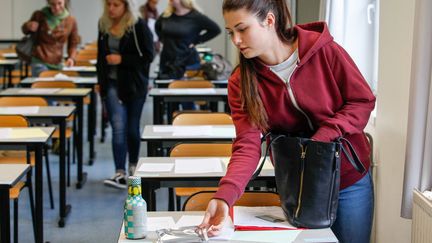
(163, 129)
(246, 216)
(195, 220)
(267, 165)
(156, 167)
(93, 61)
(27, 133)
(62, 76)
(156, 223)
(19, 110)
(223, 132)
(5, 133)
(187, 166)
(278, 236)
(187, 131)
(39, 91)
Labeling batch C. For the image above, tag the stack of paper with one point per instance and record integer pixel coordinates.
(257, 218)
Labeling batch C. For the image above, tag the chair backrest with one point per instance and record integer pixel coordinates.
(53, 84)
(212, 118)
(52, 73)
(13, 121)
(23, 101)
(200, 200)
(201, 150)
(187, 84)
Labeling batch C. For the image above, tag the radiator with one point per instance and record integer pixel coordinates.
(421, 229)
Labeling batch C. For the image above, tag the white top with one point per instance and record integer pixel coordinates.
(286, 68)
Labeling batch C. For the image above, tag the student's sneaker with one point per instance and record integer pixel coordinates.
(131, 169)
(117, 181)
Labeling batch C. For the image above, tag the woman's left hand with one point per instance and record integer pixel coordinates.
(113, 59)
(69, 62)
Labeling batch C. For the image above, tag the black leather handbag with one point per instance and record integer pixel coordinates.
(24, 48)
(307, 174)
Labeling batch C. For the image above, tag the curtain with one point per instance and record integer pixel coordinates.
(418, 160)
(333, 12)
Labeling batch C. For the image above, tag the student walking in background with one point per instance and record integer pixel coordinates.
(180, 28)
(295, 80)
(150, 14)
(52, 27)
(125, 51)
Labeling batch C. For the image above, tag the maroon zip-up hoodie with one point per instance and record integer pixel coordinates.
(326, 86)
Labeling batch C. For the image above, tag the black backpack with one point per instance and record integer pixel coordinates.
(218, 68)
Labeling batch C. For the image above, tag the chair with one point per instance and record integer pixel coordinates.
(14, 192)
(211, 118)
(69, 131)
(199, 200)
(199, 150)
(188, 84)
(18, 156)
(52, 73)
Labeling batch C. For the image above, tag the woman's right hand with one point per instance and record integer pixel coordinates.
(215, 216)
(32, 26)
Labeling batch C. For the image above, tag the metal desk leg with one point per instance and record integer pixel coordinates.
(91, 125)
(5, 215)
(82, 176)
(64, 208)
(157, 110)
(148, 193)
(39, 193)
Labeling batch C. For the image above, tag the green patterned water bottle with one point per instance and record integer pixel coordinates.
(135, 211)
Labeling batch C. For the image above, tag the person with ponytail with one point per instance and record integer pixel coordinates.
(125, 51)
(52, 27)
(294, 79)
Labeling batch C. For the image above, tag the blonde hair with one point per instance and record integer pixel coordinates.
(190, 4)
(128, 20)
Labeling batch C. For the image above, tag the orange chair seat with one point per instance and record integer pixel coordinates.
(15, 191)
(15, 157)
(187, 191)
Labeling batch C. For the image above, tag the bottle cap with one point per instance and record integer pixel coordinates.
(134, 181)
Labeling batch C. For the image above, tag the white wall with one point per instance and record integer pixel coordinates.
(395, 54)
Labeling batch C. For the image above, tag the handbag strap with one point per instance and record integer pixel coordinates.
(354, 159)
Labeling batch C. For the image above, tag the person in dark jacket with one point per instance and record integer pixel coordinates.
(296, 80)
(125, 51)
(180, 28)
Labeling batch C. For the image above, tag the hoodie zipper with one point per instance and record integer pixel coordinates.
(292, 97)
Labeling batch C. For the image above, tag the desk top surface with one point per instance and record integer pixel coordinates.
(8, 62)
(77, 80)
(24, 135)
(285, 236)
(38, 111)
(165, 167)
(189, 92)
(10, 174)
(81, 69)
(204, 132)
(60, 92)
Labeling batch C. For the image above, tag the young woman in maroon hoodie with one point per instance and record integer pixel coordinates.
(294, 79)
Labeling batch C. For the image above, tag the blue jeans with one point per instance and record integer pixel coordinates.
(355, 212)
(37, 68)
(124, 118)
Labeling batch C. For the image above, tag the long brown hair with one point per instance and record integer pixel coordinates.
(249, 96)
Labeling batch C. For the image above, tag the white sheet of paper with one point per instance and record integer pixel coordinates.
(27, 133)
(186, 166)
(194, 220)
(5, 133)
(163, 129)
(223, 132)
(19, 110)
(156, 223)
(156, 167)
(246, 216)
(39, 91)
(93, 61)
(188, 131)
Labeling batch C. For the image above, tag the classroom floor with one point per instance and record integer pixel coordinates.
(97, 210)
